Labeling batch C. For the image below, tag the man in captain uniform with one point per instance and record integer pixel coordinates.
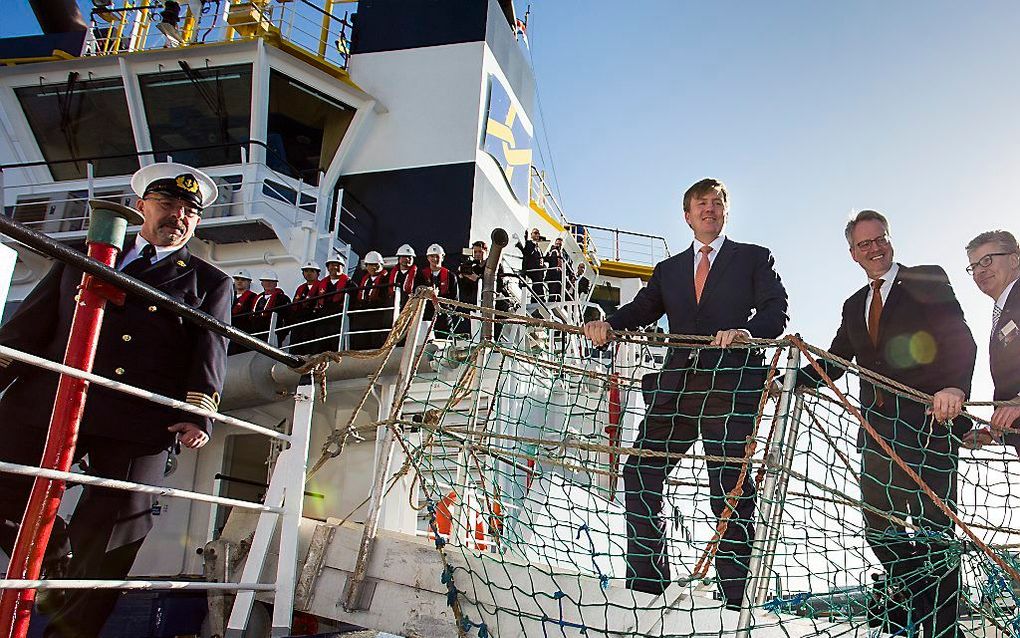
(729, 291)
(994, 259)
(124, 437)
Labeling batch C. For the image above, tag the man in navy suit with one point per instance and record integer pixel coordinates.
(994, 259)
(907, 325)
(731, 292)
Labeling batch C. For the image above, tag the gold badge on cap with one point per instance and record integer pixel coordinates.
(187, 182)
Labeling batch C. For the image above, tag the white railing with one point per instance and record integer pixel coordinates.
(622, 245)
(284, 498)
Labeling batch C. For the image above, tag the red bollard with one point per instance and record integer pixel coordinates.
(107, 227)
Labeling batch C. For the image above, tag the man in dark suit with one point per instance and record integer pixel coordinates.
(139, 344)
(994, 259)
(730, 291)
(907, 325)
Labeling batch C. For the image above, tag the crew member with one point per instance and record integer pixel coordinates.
(125, 438)
(402, 276)
(711, 393)
(439, 278)
(302, 312)
(334, 289)
(994, 258)
(533, 264)
(914, 305)
(469, 281)
(272, 301)
(554, 271)
(244, 303)
(373, 318)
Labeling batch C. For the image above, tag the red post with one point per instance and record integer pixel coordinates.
(37, 523)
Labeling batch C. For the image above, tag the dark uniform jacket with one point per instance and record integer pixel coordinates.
(1004, 349)
(139, 344)
(743, 290)
(923, 342)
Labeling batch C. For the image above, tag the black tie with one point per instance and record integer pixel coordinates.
(143, 261)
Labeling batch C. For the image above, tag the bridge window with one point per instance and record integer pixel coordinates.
(81, 119)
(200, 116)
(305, 128)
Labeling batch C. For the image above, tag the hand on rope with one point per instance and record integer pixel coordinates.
(947, 404)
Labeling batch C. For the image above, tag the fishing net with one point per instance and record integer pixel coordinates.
(654, 487)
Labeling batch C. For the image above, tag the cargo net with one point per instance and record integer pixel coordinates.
(652, 488)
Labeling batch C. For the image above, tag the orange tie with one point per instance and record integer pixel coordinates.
(875, 310)
(701, 274)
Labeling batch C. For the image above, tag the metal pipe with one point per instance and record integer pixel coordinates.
(763, 530)
(500, 240)
(56, 250)
(131, 390)
(116, 484)
(105, 241)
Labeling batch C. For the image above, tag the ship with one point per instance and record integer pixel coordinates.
(455, 486)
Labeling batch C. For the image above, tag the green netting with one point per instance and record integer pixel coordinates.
(652, 488)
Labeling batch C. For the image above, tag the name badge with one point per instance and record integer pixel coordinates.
(1008, 333)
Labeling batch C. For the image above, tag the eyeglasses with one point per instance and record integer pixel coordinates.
(866, 244)
(984, 262)
(174, 205)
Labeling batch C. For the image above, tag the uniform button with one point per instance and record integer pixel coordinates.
(119, 372)
(126, 337)
(152, 308)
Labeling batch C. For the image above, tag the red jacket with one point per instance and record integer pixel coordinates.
(374, 289)
(325, 288)
(245, 303)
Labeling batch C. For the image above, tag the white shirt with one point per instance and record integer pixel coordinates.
(1001, 301)
(716, 245)
(135, 252)
(887, 283)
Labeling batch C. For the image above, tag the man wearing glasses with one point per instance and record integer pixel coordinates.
(907, 325)
(995, 266)
(124, 437)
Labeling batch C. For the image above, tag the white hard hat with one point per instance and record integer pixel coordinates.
(335, 259)
(242, 274)
(405, 251)
(373, 258)
(269, 275)
(435, 249)
(311, 265)
(177, 180)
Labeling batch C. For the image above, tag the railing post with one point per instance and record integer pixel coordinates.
(777, 461)
(295, 459)
(271, 337)
(90, 177)
(344, 328)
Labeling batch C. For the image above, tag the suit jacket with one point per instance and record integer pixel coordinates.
(139, 344)
(923, 342)
(743, 290)
(1003, 355)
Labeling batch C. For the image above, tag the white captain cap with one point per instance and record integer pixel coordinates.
(242, 274)
(311, 265)
(373, 258)
(175, 180)
(269, 275)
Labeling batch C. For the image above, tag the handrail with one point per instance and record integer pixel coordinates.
(56, 250)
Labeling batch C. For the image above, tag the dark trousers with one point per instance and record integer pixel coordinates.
(106, 530)
(924, 562)
(723, 429)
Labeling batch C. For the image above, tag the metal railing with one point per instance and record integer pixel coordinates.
(284, 497)
(542, 196)
(310, 27)
(621, 245)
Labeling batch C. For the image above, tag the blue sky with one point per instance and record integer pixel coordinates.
(807, 110)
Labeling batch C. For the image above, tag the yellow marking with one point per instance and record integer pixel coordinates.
(624, 269)
(500, 130)
(547, 217)
(517, 157)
